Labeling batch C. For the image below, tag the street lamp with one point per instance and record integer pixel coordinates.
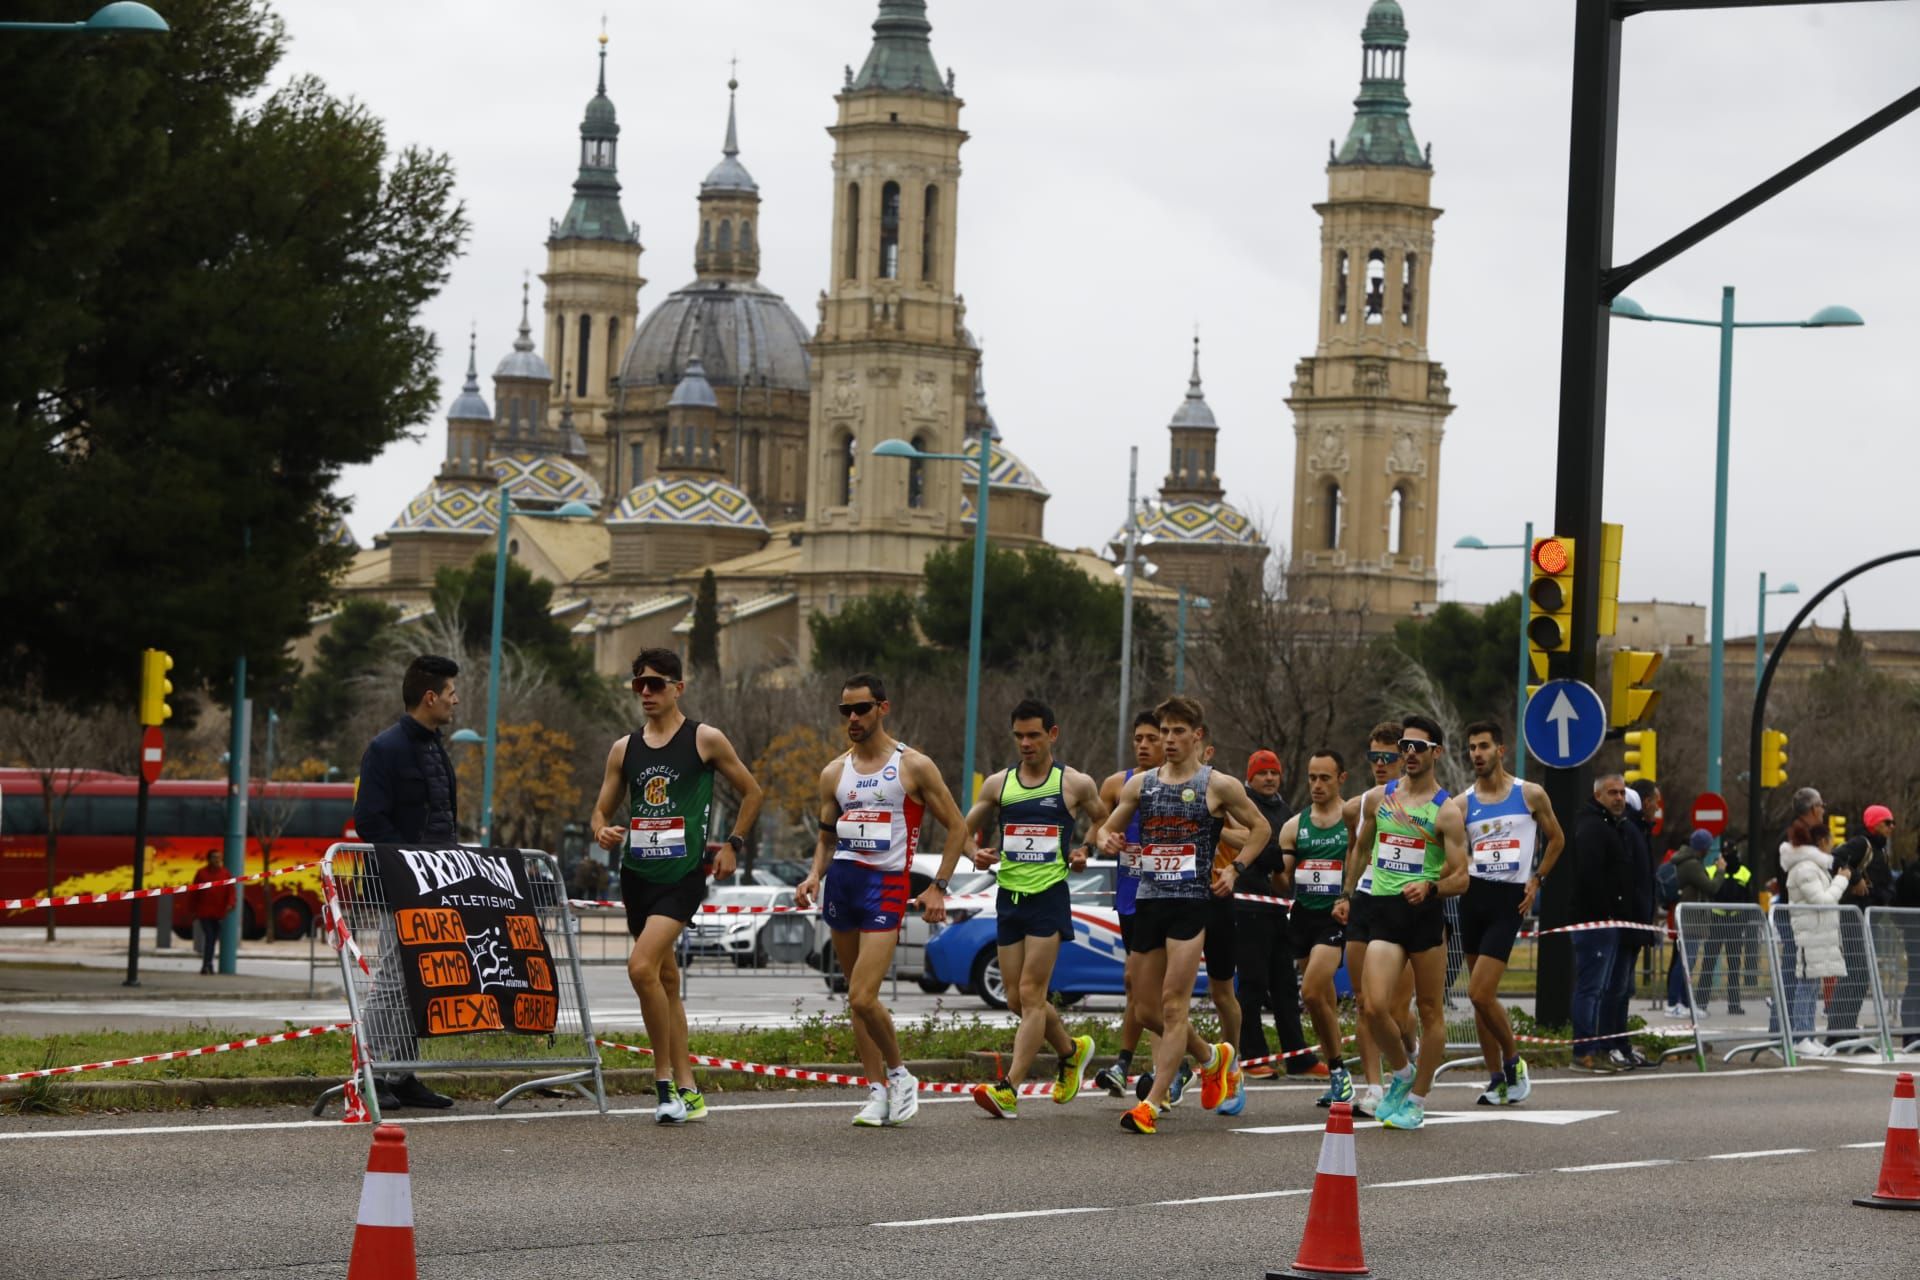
(1180, 638)
(111, 19)
(1825, 318)
(1130, 563)
(895, 448)
(1760, 626)
(570, 511)
(1525, 547)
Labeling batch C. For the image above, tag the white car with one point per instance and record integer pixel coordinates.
(741, 937)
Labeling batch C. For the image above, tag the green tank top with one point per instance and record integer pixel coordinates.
(1034, 829)
(1319, 867)
(669, 791)
(1405, 852)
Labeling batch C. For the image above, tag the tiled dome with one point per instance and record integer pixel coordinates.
(683, 501)
(1195, 523)
(1009, 473)
(544, 479)
(449, 506)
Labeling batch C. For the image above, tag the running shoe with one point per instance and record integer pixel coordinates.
(1339, 1088)
(1495, 1094)
(1141, 1119)
(903, 1098)
(1367, 1101)
(1066, 1082)
(1001, 1101)
(1522, 1086)
(1408, 1115)
(1398, 1087)
(696, 1104)
(671, 1110)
(1217, 1084)
(1177, 1090)
(1236, 1100)
(1261, 1071)
(1113, 1080)
(1595, 1063)
(874, 1114)
(1318, 1071)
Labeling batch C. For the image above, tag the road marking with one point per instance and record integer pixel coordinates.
(1437, 1182)
(998, 1217)
(1488, 1116)
(1756, 1155)
(1865, 1146)
(1244, 1195)
(1617, 1164)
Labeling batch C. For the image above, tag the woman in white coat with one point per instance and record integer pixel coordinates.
(1814, 892)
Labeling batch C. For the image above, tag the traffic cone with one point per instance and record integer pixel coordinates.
(383, 1234)
(1900, 1162)
(1331, 1246)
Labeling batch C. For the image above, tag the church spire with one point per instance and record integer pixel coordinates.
(1194, 434)
(595, 213)
(902, 55)
(729, 247)
(1382, 133)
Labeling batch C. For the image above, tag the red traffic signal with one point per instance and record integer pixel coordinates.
(1550, 555)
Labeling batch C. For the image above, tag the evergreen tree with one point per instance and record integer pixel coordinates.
(703, 642)
(526, 621)
(324, 698)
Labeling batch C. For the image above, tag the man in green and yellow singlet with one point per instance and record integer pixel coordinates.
(1032, 808)
(655, 801)
(1314, 845)
(1417, 845)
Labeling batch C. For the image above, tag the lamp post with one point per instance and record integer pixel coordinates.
(1180, 638)
(1760, 625)
(895, 448)
(111, 19)
(504, 514)
(1131, 542)
(1825, 318)
(1525, 546)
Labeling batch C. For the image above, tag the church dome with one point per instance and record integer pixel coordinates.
(1194, 523)
(1008, 475)
(448, 506)
(745, 334)
(686, 501)
(544, 479)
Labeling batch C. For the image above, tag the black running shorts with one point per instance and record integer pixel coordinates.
(1413, 929)
(1156, 920)
(677, 899)
(1490, 917)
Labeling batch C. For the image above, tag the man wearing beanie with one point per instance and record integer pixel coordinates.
(1264, 956)
(1872, 886)
(1690, 869)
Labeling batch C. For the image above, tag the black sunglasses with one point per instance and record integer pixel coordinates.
(851, 709)
(1382, 757)
(1416, 744)
(650, 684)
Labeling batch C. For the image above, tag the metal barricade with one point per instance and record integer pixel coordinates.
(1828, 976)
(1732, 944)
(377, 999)
(1893, 938)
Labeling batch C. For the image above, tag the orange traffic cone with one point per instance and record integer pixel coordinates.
(383, 1234)
(1900, 1163)
(1331, 1246)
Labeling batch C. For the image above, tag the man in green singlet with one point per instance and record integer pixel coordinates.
(1417, 845)
(654, 801)
(1314, 844)
(1032, 808)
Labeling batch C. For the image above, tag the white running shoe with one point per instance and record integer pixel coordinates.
(874, 1114)
(1811, 1048)
(903, 1098)
(1676, 1011)
(672, 1111)
(1367, 1101)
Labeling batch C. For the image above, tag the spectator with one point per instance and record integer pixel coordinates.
(1642, 907)
(1813, 888)
(1603, 870)
(1263, 963)
(210, 907)
(1872, 886)
(1906, 893)
(1690, 870)
(1735, 933)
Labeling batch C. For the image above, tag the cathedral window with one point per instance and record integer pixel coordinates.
(852, 271)
(1207, 466)
(726, 237)
(746, 236)
(586, 349)
(1397, 522)
(917, 477)
(559, 352)
(929, 232)
(1341, 288)
(706, 235)
(1376, 287)
(1409, 269)
(613, 350)
(636, 462)
(890, 231)
(1336, 517)
(848, 458)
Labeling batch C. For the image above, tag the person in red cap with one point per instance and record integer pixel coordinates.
(1263, 951)
(1872, 886)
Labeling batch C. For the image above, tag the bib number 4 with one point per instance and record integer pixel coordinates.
(662, 838)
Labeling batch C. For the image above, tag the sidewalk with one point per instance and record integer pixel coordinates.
(91, 964)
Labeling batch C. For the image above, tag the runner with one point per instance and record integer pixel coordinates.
(1183, 805)
(1147, 755)
(654, 801)
(872, 802)
(1506, 822)
(1383, 758)
(1033, 806)
(1314, 844)
(1418, 844)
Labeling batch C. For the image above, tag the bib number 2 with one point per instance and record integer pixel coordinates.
(1030, 842)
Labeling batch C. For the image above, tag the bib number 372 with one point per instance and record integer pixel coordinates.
(1169, 863)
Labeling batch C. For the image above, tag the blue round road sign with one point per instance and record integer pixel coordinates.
(1566, 723)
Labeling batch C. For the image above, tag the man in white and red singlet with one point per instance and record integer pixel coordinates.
(872, 802)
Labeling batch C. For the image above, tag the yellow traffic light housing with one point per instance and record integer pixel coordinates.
(1837, 828)
(1631, 702)
(1611, 536)
(1643, 755)
(1773, 758)
(154, 686)
(1550, 597)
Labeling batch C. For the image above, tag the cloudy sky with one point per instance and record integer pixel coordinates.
(1137, 166)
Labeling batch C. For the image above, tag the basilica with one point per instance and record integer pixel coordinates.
(639, 447)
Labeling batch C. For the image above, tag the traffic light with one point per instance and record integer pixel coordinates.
(1773, 758)
(154, 686)
(1611, 536)
(1631, 703)
(1550, 595)
(1837, 828)
(1643, 755)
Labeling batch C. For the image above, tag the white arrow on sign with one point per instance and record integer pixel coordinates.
(1491, 1115)
(1563, 715)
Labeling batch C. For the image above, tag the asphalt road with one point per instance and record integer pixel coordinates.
(1734, 1174)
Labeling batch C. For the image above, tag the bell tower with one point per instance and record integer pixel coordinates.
(891, 357)
(1370, 406)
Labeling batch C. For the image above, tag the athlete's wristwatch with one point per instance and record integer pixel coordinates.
(940, 884)
(738, 843)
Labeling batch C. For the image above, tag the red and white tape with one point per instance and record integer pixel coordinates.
(129, 895)
(228, 1047)
(1597, 924)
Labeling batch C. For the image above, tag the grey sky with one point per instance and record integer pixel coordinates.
(1136, 166)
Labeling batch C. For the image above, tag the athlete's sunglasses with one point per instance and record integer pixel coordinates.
(851, 709)
(1382, 757)
(650, 684)
(1418, 745)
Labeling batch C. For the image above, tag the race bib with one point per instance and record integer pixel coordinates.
(1318, 876)
(1404, 854)
(1029, 842)
(1130, 859)
(865, 831)
(1169, 863)
(661, 838)
(1496, 856)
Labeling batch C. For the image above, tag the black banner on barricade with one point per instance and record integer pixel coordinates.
(471, 947)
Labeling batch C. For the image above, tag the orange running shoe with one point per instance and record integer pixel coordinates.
(1213, 1082)
(1318, 1071)
(1141, 1119)
(1262, 1072)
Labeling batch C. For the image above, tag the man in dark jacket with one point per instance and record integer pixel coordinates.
(1872, 886)
(1603, 872)
(1264, 959)
(1642, 904)
(408, 795)
(1690, 872)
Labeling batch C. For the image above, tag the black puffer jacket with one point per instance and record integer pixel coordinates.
(408, 793)
(1602, 866)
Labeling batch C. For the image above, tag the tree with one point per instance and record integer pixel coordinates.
(58, 744)
(872, 633)
(1470, 657)
(534, 788)
(789, 772)
(703, 642)
(1036, 603)
(464, 598)
(209, 308)
(324, 697)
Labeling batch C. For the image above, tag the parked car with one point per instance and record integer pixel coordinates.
(915, 932)
(738, 937)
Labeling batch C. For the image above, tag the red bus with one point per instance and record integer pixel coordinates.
(288, 823)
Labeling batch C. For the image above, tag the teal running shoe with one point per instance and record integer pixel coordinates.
(1339, 1088)
(1408, 1115)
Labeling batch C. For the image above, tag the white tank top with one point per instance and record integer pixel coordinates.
(1501, 837)
(879, 822)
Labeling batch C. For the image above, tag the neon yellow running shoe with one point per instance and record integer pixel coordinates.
(1073, 1067)
(696, 1104)
(1001, 1101)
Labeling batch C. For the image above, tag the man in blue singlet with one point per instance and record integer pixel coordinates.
(1137, 1017)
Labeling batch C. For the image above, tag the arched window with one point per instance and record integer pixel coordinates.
(1336, 517)
(613, 350)
(1409, 271)
(513, 418)
(726, 237)
(706, 235)
(848, 456)
(917, 477)
(1376, 287)
(890, 231)
(929, 232)
(852, 271)
(746, 236)
(637, 462)
(1344, 284)
(585, 353)
(1397, 522)
(559, 353)
(1206, 468)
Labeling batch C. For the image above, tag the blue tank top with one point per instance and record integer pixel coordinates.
(1126, 884)
(1178, 837)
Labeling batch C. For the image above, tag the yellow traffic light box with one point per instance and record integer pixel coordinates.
(154, 686)
(1632, 702)
(1642, 755)
(1550, 596)
(1773, 758)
